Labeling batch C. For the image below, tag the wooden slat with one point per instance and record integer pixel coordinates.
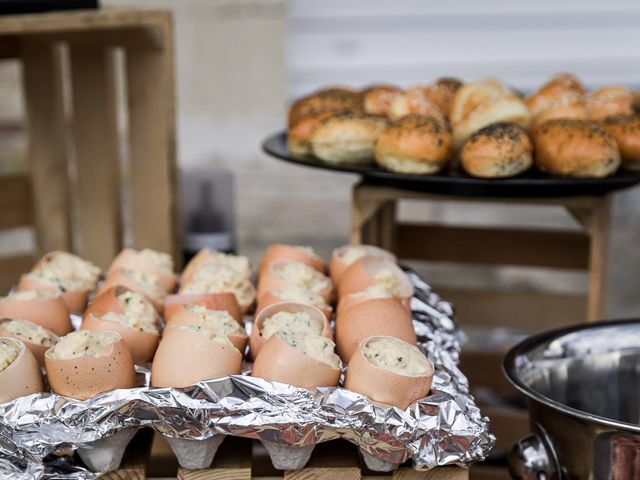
(508, 425)
(442, 473)
(11, 268)
(133, 466)
(43, 90)
(95, 135)
(162, 461)
(484, 369)
(527, 310)
(482, 472)
(599, 228)
(232, 461)
(329, 461)
(15, 201)
(493, 246)
(150, 86)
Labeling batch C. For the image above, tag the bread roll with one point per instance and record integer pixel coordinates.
(347, 138)
(441, 93)
(609, 101)
(376, 100)
(566, 105)
(478, 104)
(575, 148)
(415, 100)
(299, 135)
(548, 94)
(497, 151)
(625, 129)
(415, 144)
(327, 100)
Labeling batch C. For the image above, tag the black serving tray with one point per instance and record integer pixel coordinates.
(455, 182)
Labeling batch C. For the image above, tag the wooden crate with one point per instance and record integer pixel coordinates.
(83, 73)
(244, 459)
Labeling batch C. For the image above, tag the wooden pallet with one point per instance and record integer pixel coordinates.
(149, 457)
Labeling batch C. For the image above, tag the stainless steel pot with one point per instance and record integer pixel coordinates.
(583, 387)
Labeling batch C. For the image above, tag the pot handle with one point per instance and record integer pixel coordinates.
(534, 458)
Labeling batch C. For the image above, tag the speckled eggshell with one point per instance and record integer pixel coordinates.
(212, 301)
(116, 277)
(269, 280)
(74, 300)
(22, 377)
(184, 358)
(268, 298)
(50, 313)
(382, 385)
(380, 316)
(142, 345)
(256, 340)
(338, 265)
(36, 349)
(281, 251)
(280, 362)
(203, 256)
(107, 301)
(87, 376)
(359, 276)
(183, 317)
(129, 259)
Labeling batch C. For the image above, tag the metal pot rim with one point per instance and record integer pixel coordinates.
(508, 369)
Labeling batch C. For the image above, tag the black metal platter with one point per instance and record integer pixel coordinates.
(455, 182)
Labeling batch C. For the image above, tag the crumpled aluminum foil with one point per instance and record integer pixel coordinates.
(444, 428)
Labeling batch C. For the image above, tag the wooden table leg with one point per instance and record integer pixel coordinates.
(598, 250)
(43, 91)
(150, 85)
(95, 134)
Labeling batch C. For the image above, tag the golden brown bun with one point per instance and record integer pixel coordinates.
(548, 93)
(299, 137)
(609, 101)
(327, 100)
(625, 129)
(441, 93)
(414, 144)
(415, 100)
(566, 105)
(575, 148)
(478, 104)
(347, 138)
(377, 99)
(498, 151)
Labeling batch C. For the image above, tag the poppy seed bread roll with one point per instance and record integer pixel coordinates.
(625, 129)
(441, 93)
(498, 151)
(609, 101)
(347, 138)
(415, 144)
(415, 101)
(377, 99)
(550, 92)
(575, 148)
(326, 100)
(299, 135)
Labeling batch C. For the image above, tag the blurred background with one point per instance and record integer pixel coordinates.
(241, 62)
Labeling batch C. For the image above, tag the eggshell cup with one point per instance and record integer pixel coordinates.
(87, 376)
(360, 275)
(184, 358)
(213, 301)
(256, 340)
(36, 349)
(50, 313)
(117, 278)
(142, 345)
(382, 385)
(353, 299)
(203, 256)
(380, 316)
(280, 362)
(22, 377)
(184, 317)
(131, 260)
(281, 251)
(268, 298)
(74, 300)
(338, 266)
(271, 280)
(107, 301)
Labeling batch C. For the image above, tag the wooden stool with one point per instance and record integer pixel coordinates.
(71, 89)
(374, 222)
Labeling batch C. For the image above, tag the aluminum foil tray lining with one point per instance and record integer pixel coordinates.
(442, 429)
